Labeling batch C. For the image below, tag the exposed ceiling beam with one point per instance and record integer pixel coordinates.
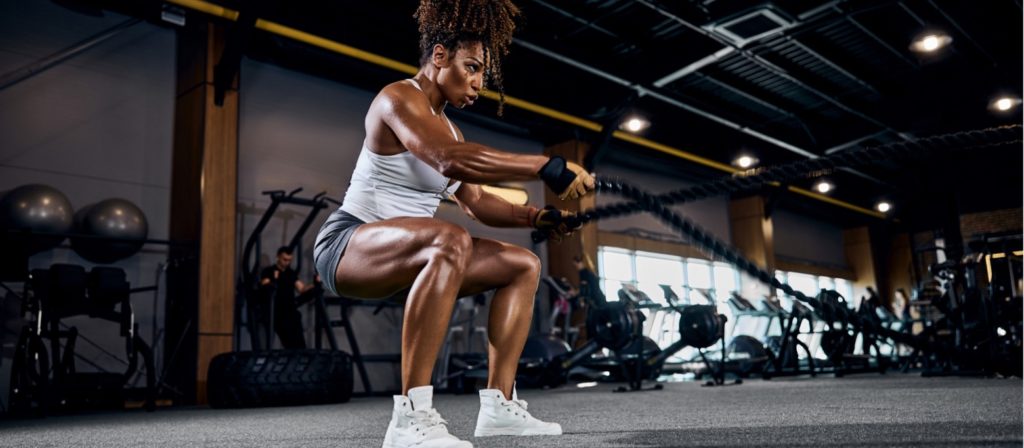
(645, 91)
(833, 65)
(764, 103)
(767, 65)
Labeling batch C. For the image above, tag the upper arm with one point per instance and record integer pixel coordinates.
(407, 113)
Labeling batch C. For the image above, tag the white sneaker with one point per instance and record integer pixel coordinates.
(415, 423)
(501, 417)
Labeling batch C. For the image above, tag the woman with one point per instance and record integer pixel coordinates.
(384, 240)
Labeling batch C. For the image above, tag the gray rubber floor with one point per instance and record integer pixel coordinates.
(864, 410)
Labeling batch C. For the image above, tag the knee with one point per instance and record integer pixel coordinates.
(452, 243)
(526, 263)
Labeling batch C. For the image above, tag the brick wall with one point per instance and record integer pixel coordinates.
(991, 222)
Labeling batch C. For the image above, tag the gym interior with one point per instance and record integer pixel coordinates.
(806, 228)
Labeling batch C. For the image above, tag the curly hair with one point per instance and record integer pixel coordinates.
(460, 22)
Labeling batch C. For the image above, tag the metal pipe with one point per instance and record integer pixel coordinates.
(853, 142)
(52, 60)
(693, 67)
(569, 61)
(732, 125)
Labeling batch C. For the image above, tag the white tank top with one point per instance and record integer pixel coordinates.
(398, 185)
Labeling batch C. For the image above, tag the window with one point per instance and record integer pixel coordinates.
(693, 280)
(616, 268)
(811, 285)
(653, 270)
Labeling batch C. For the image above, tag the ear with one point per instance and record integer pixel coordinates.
(439, 56)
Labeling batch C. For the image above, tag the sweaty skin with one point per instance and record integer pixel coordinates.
(436, 260)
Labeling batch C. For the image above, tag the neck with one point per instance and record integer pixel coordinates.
(427, 79)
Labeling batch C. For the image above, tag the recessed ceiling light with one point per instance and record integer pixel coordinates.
(1004, 103)
(931, 42)
(823, 186)
(744, 161)
(635, 124)
(883, 206)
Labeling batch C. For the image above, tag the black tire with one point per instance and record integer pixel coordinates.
(279, 378)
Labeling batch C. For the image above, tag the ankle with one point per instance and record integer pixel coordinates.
(506, 391)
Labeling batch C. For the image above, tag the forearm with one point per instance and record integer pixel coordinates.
(497, 212)
(480, 164)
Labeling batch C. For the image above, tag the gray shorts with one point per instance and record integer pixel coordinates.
(330, 245)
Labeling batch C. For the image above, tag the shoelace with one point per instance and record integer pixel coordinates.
(429, 419)
(521, 403)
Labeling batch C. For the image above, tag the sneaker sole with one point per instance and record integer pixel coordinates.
(466, 444)
(490, 432)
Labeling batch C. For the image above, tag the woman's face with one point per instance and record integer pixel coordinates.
(462, 74)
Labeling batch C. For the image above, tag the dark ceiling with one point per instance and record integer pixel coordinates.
(785, 80)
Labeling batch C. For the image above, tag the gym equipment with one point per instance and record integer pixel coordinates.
(617, 326)
(700, 326)
(783, 349)
(978, 328)
(469, 359)
(537, 353)
(562, 304)
(44, 378)
(722, 250)
(279, 378)
(109, 230)
(36, 210)
(249, 309)
(743, 308)
(324, 328)
(748, 354)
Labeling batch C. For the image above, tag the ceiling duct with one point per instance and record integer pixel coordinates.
(751, 25)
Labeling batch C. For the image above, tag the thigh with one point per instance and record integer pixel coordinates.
(495, 264)
(384, 257)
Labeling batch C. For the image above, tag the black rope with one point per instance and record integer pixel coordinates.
(848, 158)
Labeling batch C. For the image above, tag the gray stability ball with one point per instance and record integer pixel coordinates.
(36, 209)
(109, 230)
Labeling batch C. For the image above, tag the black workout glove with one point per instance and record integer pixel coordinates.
(567, 179)
(555, 223)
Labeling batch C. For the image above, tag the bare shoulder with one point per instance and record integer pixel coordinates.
(398, 107)
(399, 96)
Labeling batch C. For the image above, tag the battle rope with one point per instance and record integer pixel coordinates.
(849, 158)
(652, 203)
